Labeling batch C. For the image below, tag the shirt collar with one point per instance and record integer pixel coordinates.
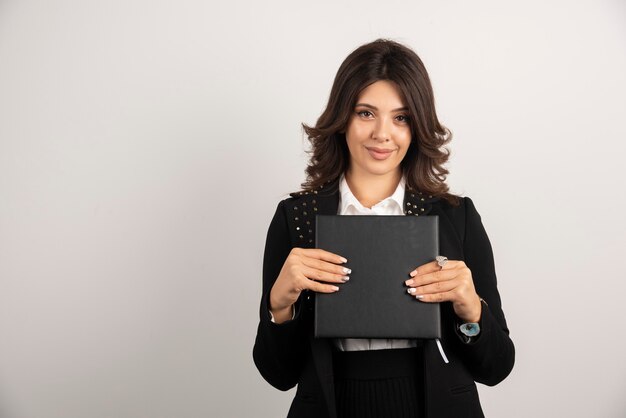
(348, 198)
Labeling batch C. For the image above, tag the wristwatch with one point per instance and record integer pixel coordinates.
(470, 330)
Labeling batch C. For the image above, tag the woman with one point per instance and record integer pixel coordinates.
(378, 149)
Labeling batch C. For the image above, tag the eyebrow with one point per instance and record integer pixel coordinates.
(375, 108)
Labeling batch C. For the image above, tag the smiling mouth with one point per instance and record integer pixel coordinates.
(379, 154)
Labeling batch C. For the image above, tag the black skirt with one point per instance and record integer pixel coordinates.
(379, 383)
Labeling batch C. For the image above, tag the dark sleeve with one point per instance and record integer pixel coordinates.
(278, 348)
(491, 356)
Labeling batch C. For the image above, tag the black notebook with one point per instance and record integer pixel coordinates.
(381, 251)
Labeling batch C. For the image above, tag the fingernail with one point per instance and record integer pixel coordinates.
(335, 288)
(419, 296)
(409, 282)
(411, 290)
(413, 273)
(347, 270)
(343, 260)
(345, 278)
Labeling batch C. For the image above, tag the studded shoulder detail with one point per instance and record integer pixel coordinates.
(302, 193)
(417, 203)
(301, 211)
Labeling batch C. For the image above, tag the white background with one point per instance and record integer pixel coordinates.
(144, 146)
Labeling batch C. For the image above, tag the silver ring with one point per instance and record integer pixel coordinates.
(441, 260)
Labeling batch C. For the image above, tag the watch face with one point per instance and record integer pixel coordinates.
(471, 329)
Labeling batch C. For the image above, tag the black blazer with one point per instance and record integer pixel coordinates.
(287, 354)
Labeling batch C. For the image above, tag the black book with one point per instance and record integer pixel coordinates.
(381, 251)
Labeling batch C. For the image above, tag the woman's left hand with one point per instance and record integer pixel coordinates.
(452, 283)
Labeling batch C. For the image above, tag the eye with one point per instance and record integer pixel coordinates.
(364, 113)
(403, 118)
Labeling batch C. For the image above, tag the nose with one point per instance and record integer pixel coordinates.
(382, 130)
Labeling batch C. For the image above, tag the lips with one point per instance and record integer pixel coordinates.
(379, 149)
(379, 153)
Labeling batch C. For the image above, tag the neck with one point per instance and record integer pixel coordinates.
(370, 189)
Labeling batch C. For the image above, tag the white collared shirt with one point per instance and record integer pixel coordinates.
(350, 205)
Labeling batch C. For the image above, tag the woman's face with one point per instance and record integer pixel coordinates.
(378, 133)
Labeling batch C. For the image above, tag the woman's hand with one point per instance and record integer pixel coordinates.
(305, 268)
(452, 283)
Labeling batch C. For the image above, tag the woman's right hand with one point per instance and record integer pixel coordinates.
(305, 268)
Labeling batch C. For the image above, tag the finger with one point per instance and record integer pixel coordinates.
(325, 266)
(324, 255)
(324, 276)
(436, 297)
(433, 277)
(437, 287)
(433, 266)
(320, 287)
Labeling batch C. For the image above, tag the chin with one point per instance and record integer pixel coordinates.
(382, 170)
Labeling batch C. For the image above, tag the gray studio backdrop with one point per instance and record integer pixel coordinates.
(144, 146)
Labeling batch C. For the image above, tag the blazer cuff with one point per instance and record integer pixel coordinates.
(293, 315)
(266, 315)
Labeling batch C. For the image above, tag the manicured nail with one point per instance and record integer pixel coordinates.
(413, 273)
(345, 278)
(409, 282)
(343, 260)
(347, 270)
(335, 288)
(411, 290)
(419, 296)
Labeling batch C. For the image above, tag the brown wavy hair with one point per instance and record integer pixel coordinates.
(383, 59)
